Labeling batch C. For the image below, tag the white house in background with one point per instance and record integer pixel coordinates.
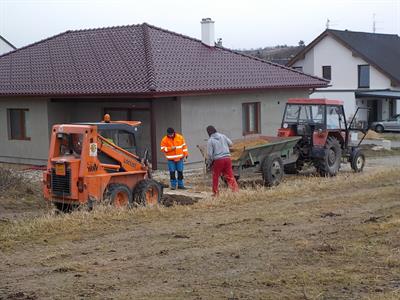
(5, 46)
(364, 70)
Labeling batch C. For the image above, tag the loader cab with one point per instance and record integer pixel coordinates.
(70, 144)
(121, 134)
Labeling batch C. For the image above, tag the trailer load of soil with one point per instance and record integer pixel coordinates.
(240, 145)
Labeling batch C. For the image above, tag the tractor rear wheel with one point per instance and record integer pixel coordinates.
(118, 195)
(329, 165)
(272, 170)
(357, 160)
(147, 192)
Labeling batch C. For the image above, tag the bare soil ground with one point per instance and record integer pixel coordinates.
(309, 238)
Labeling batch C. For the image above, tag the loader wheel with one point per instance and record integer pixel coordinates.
(147, 192)
(272, 171)
(118, 195)
(357, 160)
(329, 165)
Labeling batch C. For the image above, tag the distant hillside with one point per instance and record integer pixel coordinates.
(280, 54)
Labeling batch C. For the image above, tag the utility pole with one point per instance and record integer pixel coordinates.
(373, 23)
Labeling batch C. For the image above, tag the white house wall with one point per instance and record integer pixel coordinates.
(329, 52)
(225, 113)
(307, 63)
(344, 74)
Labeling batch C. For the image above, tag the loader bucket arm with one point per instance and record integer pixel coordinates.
(128, 161)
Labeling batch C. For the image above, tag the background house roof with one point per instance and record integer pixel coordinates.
(7, 42)
(140, 60)
(380, 50)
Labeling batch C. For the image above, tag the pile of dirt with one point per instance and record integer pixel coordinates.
(239, 146)
(170, 200)
(373, 135)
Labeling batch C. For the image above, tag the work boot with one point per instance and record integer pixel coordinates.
(173, 187)
(181, 188)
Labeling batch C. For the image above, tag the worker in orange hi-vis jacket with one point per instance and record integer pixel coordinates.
(174, 147)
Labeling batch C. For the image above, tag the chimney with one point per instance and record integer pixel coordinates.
(207, 32)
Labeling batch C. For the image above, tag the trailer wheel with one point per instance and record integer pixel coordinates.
(118, 195)
(357, 160)
(272, 170)
(147, 192)
(329, 165)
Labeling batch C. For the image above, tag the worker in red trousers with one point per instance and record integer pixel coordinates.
(219, 158)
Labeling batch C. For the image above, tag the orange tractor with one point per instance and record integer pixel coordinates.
(325, 136)
(94, 162)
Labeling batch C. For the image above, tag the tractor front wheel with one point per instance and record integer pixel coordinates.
(147, 192)
(118, 195)
(329, 165)
(272, 170)
(357, 160)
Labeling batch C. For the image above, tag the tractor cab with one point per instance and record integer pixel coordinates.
(306, 117)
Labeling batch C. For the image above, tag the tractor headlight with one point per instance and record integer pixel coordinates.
(285, 125)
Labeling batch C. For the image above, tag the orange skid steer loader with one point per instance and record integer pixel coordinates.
(87, 164)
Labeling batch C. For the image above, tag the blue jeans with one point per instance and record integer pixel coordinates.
(174, 166)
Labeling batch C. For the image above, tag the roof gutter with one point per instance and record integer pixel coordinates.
(164, 94)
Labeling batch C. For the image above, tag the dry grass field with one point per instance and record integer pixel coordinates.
(309, 238)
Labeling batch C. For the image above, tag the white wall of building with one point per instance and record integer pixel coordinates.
(329, 52)
(344, 75)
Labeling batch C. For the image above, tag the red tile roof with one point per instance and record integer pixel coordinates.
(137, 60)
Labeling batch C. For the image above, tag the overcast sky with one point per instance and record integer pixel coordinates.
(241, 24)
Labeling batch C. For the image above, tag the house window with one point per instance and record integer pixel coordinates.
(298, 69)
(326, 72)
(17, 120)
(251, 118)
(363, 76)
